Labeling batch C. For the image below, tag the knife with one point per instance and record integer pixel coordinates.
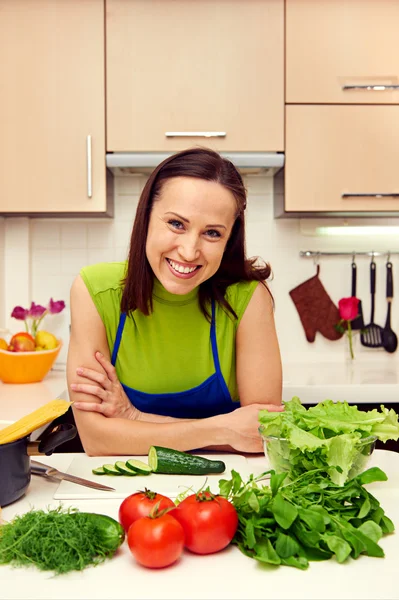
(38, 468)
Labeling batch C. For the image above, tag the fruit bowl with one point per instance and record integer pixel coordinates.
(27, 367)
(281, 455)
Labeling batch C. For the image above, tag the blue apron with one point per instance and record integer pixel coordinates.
(210, 398)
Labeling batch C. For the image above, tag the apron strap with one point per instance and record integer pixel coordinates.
(121, 325)
(216, 355)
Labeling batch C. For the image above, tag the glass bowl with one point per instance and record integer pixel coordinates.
(280, 455)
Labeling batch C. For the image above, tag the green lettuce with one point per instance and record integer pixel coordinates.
(330, 435)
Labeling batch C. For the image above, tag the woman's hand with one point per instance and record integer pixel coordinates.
(105, 393)
(242, 425)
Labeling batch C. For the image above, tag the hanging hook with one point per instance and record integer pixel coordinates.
(353, 257)
(372, 256)
(388, 256)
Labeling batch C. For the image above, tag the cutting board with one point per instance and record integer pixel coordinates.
(169, 485)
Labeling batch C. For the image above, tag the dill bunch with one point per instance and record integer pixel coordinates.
(59, 540)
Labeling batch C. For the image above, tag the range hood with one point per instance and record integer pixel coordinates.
(129, 163)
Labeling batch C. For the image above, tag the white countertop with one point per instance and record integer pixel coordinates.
(224, 575)
(360, 383)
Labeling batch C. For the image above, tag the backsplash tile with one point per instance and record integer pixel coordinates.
(50, 252)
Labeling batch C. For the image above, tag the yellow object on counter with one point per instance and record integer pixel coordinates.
(41, 416)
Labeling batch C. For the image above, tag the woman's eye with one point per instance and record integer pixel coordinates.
(213, 233)
(176, 224)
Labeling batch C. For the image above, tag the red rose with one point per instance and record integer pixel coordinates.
(348, 308)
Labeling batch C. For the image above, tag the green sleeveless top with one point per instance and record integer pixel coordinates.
(170, 349)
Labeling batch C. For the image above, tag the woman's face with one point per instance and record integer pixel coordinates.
(189, 227)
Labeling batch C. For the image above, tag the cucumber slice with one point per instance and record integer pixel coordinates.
(166, 460)
(123, 469)
(99, 471)
(138, 467)
(111, 470)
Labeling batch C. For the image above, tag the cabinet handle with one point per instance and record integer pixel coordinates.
(381, 195)
(374, 87)
(89, 171)
(207, 134)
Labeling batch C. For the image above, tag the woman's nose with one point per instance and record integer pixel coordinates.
(189, 248)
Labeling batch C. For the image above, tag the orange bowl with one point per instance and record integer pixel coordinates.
(27, 367)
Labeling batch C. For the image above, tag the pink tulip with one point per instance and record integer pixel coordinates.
(348, 308)
(20, 313)
(55, 307)
(36, 311)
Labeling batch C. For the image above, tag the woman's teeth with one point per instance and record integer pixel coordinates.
(180, 268)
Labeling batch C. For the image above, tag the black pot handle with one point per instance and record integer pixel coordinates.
(61, 433)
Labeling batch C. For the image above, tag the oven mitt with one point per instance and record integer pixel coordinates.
(316, 309)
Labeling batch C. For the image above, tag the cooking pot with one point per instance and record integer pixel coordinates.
(15, 470)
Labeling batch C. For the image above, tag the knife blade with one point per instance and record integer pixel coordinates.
(43, 470)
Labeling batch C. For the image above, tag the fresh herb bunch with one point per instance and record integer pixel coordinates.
(329, 435)
(59, 540)
(308, 519)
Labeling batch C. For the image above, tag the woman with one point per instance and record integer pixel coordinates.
(177, 347)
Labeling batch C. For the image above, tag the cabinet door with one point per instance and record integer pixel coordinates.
(195, 66)
(342, 159)
(51, 100)
(331, 44)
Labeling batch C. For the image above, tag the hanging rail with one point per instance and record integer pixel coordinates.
(316, 253)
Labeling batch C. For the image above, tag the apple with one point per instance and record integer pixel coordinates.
(3, 344)
(22, 342)
(45, 340)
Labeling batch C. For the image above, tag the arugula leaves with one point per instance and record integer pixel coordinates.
(309, 518)
(331, 435)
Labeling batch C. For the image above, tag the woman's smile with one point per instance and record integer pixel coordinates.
(182, 270)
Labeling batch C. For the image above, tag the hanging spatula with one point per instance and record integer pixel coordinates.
(371, 336)
(357, 322)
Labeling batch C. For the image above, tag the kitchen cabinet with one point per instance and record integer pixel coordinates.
(52, 108)
(341, 160)
(188, 72)
(331, 45)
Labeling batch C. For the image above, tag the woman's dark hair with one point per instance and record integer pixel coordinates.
(206, 164)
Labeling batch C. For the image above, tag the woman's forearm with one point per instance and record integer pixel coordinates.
(101, 436)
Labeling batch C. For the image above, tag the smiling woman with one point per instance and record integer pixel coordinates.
(177, 346)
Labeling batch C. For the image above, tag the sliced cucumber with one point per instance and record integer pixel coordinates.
(99, 471)
(123, 469)
(138, 467)
(166, 460)
(111, 470)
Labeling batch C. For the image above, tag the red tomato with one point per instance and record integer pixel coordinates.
(209, 522)
(156, 542)
(140, 505)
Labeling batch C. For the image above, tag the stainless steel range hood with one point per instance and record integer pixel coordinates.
(129, 163)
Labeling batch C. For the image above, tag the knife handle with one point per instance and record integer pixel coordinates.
(38, 468)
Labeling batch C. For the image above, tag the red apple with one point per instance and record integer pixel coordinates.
(22, 342)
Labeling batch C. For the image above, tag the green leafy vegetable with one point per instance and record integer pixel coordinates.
(59, 540)
(330, 435)
(309, 518)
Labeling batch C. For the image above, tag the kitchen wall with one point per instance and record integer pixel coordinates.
(41, 257)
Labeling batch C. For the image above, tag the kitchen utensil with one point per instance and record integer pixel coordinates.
(38, 468)
(15, 472)
(357, 322)
(371, 336)
(169, 485)
(389, 338)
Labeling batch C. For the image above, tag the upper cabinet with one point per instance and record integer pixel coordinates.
(188, 72)
(52, 115)
(342, 51)
(342, 160)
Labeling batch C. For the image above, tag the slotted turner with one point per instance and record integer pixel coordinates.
(371, 337)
